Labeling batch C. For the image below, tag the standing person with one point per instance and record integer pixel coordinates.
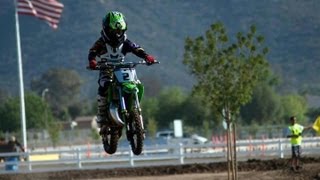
(113, 45)
(12, 161)
(2, 147)
(295, 131)
(15, 145)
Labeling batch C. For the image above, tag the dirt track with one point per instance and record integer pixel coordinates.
(252, 169)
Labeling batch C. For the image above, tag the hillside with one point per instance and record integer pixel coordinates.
(291, 28)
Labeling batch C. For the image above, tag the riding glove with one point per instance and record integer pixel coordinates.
(92, 64)
(150, 59)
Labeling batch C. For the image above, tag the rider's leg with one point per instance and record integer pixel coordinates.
(102, 98)
(102, 110)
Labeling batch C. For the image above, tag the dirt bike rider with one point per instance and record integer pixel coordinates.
(113, 45)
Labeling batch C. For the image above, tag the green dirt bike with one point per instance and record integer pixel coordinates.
(124, 95)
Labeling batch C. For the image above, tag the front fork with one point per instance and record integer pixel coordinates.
(135, 106)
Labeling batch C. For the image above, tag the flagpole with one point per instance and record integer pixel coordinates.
(22, 104)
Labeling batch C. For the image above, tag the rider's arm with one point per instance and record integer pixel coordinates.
(96, 49)
(130, 46)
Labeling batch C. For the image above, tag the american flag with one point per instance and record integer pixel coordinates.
(47, 10)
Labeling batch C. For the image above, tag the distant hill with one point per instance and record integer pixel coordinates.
(291, 29)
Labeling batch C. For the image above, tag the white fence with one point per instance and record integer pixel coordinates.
(94, 157)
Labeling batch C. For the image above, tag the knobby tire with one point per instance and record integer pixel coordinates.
(137, 133)
(110, 141)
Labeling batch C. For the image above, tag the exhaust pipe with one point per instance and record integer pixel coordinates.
(113, 110)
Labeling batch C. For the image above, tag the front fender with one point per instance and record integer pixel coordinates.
(131, 87)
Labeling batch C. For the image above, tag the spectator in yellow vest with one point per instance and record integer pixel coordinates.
(295, 133)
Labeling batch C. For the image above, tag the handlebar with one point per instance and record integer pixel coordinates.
(103, 65)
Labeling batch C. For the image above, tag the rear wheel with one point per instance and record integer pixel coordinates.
(110, 140)
(136, 133)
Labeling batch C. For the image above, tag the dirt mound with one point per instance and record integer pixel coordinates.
(311, 170)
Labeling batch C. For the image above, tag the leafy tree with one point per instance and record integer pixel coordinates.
(194, 113)
(254, 128)
(294, 105)
(173, 103)
(54, 132)
(207, 128)
(150, 107)
(38, 115)
(170, 101)
(35, 113)
(79, 108)
(10, 115)
(94, 134)
(226, 73)
(152, 127)
(265, 107)
(313, 113)
(64, 88)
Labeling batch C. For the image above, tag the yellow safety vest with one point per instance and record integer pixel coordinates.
(296, 129)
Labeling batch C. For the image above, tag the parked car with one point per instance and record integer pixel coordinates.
(165, 134)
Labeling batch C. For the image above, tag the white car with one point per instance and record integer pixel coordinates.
(165, 134)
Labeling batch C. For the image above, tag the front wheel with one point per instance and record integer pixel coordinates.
(110, 139)
(135, 133)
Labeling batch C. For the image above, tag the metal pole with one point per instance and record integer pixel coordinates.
(181, 153)
(22, 104)
(43, 94)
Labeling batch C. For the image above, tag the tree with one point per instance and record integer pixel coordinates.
(152, 127)
(54, 131)
(38, 115)
(64, 89)
(149, 108)
(265, 107)
(10, 115)
(294, 105)
(196, 114)
(35, 113)
(79, 108)
(226, 73)
(170, 101)
(313, 113)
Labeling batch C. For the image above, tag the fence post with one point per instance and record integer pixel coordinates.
(28, 160)
(79, 158)
(263, 146)
(181, 153)
(280, 149)
(131, 157)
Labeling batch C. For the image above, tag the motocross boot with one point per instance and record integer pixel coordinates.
(102, 112)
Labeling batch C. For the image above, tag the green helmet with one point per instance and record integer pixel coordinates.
(114, 26)
(116, 20)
